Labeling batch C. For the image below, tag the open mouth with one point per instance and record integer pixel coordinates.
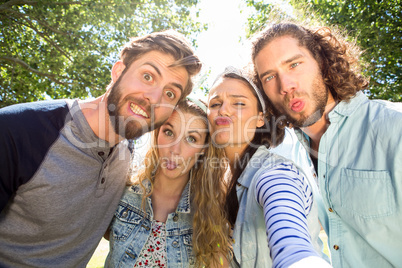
(137, 110)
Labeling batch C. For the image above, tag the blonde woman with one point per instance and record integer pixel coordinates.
(172, 215)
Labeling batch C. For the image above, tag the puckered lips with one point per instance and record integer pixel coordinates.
(296, 105)
(170, 165)
(137, 110)
(223, 121)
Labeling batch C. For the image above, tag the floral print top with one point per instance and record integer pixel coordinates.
(153, 254)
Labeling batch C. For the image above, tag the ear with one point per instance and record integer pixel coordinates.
(117, 70)
(260, 121)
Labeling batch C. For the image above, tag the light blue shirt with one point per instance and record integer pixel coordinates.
(360, 178)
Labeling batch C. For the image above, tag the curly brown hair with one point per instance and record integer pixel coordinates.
(337, 57)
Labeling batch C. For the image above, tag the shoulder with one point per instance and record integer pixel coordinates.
(285, 171)
(31, 114)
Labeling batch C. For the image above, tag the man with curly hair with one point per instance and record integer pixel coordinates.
(312, 79)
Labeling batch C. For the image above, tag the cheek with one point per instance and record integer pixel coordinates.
(269, 91)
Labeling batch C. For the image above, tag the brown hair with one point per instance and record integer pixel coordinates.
(169, 42)
(270, 135)
(337, 58)
(208, 191)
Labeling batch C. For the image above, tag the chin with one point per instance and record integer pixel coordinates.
(221, 139)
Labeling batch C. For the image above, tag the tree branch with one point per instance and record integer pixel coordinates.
(52, 77)
(43, 36)
(39, 21)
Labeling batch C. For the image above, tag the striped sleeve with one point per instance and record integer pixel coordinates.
(286, 199)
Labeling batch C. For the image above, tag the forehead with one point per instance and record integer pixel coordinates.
(186, 121)
(163, 62)
(230, 87)
(281, 49)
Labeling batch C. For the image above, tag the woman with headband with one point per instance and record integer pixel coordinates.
(172, 215)
(269, 202)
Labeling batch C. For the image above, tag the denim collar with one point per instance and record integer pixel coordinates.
(184, 203)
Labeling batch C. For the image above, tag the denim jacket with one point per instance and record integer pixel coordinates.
(250, 240)
(130, 230)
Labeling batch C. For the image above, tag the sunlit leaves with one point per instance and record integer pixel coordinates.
(65, 49)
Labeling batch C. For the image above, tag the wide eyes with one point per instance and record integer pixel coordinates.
(148, 77)
(191, 139)
(170, 94)
(168, 133)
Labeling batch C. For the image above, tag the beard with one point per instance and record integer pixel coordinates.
(319, 98)
(128, 127)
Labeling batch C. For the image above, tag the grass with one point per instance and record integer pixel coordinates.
(99, 257)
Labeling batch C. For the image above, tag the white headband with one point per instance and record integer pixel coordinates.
(239, 72)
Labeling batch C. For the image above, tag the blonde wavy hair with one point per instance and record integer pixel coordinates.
(208, 190)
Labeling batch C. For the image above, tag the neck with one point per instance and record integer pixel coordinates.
(316, 130)
(233, 153)
(97, 116)
(166, 195)
(171, 187)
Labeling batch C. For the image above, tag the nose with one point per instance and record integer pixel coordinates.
(224, 109)
(154, 95)
(287, 84)
(175, 148)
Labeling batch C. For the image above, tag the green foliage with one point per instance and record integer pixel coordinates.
(65, 49)
(375, 25)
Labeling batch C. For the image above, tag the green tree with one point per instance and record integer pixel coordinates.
(65, 49)
(376, 26)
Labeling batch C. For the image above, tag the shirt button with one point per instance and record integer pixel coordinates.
(330, 210)
(124, 214)
(175, 244)
(323, 176)
(238, 184)
(315, 175)
(176, 218)
(101, 153)
(336, 247)
(103, 180)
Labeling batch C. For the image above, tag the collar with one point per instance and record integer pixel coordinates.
(258, 159)
(346, 108)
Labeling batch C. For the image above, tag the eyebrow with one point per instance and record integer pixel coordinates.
(167, 123)
(231, 96)
(180, 87)
(194, 131)
(295, 57)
